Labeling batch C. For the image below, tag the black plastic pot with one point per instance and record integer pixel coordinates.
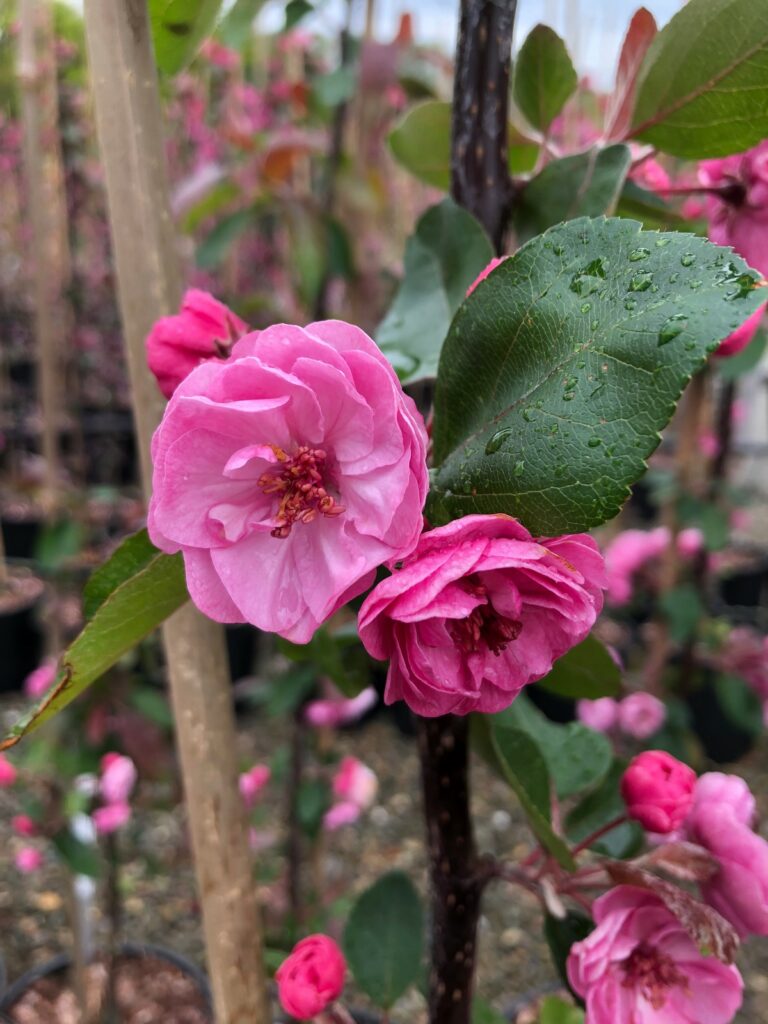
(20, 537)
(242, 645)
(21, 646)
(723, 740)
(61, 963)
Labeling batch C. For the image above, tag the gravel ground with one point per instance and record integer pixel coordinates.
(160, 904)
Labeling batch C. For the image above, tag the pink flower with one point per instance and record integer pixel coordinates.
(741, 337)
(479, 610)
(203, 329)
(23, 825)
(287, 474)
(641, 715)
(253, 782)
(495, 262)
(341, 814)
(739, 889)
(311, 978)
(658, 791)
(745, 654)
(111, 817)
(640, 967)
(626, 554)
(600, 715)
(690, 541)
(28, 860)
(340, 711)
(651, 175)
(738, 216)
(709, 444)
(356, 783)
(7, 772)
(118, 777)
(40, 680)
(716, 789)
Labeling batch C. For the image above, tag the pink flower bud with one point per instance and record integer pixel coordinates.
(311, 978)
(28, 860)
(742, 336)
(23, 825)
(118, 777)
(203, 329)
(495, 262)
(40, 680)
(341, 814)
(111, 817)
(7, 772)
(253, 782)
(729, 791)
(356, 783)
(341, 711)
(658, 791)
(600, 714)
(690, 541)
(641, 715)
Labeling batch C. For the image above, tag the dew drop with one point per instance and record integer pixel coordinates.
(661, 242)
(519, 469)
(585, 307)
(687, 259)
(558, 250)
(594, 325)
(671, 328)
(641, 282)
(673, 278)
(569, 396)
(639, 254)
(528, 413)
(595, 442)
(497, 440)
(630, 304)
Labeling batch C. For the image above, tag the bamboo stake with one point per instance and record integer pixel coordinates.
(46, 211)
(124, 82)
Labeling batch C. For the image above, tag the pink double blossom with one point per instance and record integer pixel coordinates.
(641, 715)
(335, 711)
(355, 786)
(28, 860)
(287, 474)
(111, 817)
(658, 791)
(8, 772)
(601, 714)
(253, 782)
(738, 340)
(118, 778)
(716, 789)
(479, 610)
(626, 554)
(311, 978)
(203, 329)
(738, 214)
(23, 825)
(640, 967)
(40, 680)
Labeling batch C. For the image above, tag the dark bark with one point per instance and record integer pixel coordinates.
(455, 878)
(480, 178)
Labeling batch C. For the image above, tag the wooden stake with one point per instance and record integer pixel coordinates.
(124, 81)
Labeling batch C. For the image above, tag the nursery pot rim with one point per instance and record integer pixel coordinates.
(11, 995)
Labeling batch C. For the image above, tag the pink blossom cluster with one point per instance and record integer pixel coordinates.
(354, 789)
(638, 715)
(117, 779)
(632, 550)
(253, 783)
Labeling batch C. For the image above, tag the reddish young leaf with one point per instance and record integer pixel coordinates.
(684, 861)
(708, 929)
(640, 34)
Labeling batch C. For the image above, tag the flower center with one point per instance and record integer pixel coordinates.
(483, 626)
(653, 973)
(298, 479)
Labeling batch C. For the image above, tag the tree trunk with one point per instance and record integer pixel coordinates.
(128, 119)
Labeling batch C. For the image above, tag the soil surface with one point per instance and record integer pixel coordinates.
(160, 903)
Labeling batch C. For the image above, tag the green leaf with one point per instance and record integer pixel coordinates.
(555, 1011)
(312, 801)
(216, 199)
(641, 204)
(383, 939)
(337, 655)
(561, 935)
(80, 858)
(178, 29)
(744, 361)
(295, 11)
(217, 243)
(442, 259)
(484, 1013)
(421, 143)
(683, 609)
(336, 87)
(703, 90)
(131, 556)
(153, 704)
(523, 766)
(599, 808)
(586, 671)
(137, 606)
(544, 77)
(561, 368)
(235, 27)
(740, 703)
(586, 184)
(577, 758)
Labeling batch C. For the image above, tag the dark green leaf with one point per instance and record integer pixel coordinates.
(734, 366)
(57, 543)
(442, 259)
(383, 939)
(421, 142)
(336, 87)
(220, 195)
(586, 184)
(153, 704)
(709, 518)
(217, 243)
(561, 935)
(288, 692)
(313, 800)
(682, 609)
(131, 556)
(484, 1013)
(587, 670)
(544, 77)
(525, 770)
(178, 29)
(641, 204)
(235, 28)
(338, 655)
(703, 90)
(555, 1011)
(740, 703)
(130, 612)
(562, 367)
(295, 11)
(577, 758)
(599, 808)
(80, 858)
